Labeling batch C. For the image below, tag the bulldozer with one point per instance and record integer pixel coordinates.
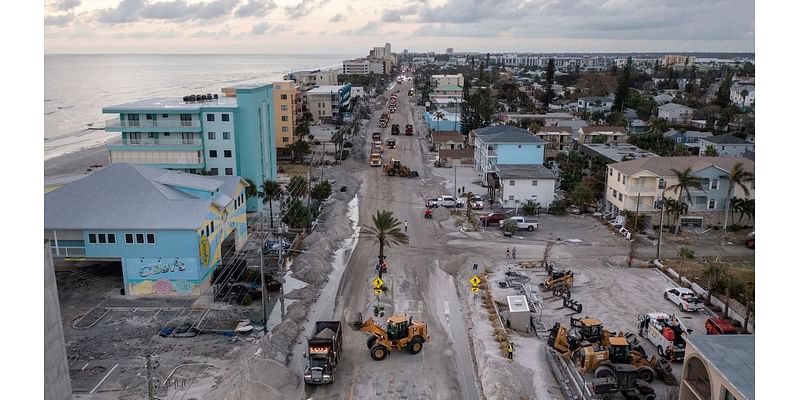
(397, 168)
(594, 349)
(402, 333)
(558, 280)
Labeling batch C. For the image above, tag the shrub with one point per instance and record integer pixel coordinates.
(558, 207)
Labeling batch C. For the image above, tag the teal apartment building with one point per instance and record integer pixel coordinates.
(230, 134)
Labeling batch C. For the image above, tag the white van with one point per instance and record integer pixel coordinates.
(522, 223)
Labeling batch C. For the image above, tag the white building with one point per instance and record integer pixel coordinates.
(726, 145)
(445, 80)
(676, 113)
(743, 92)
(518, 183)
(363, 66)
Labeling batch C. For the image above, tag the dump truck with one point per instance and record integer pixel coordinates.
(324, 348)
(395, 129)
(409, 130)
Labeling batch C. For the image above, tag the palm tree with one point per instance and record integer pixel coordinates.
(385, 230)
(297, 187)
(469, 197)
(270, 191)
(685, 182)
(738, 177)
(748, 209)
(714, 272)
(736, 205)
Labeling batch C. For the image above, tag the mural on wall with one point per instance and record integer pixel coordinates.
(161, 268)
(204, 250)
(165, 287)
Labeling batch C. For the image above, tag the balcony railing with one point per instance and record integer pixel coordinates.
(632, 189)
(161, 142)
(149, 123)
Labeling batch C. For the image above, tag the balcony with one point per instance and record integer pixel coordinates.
(149, 125)
(183, 144)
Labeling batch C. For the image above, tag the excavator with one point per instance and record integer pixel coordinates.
(596, 350)
(397, 168)
(402, 333)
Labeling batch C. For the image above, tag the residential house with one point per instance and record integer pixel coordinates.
(231, 135)
(663, 99)
(547, 119)
(513, 185)
(575, 125)
(638, 126)
(326, 102)
(689, 139)
(743, 92)
(450, 157)
(559, 140)
(719, 367)
(676, 113)
(167, 229)
(448, 140)
(613, 152)
(505, 144)
(602, 134)
(595, 103)
(641, 183)
(726, 145)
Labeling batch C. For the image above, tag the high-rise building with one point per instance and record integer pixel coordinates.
(285, 96)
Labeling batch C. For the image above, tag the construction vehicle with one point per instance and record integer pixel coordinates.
(324, 347)
(391, 143)
(398, 169)
(558, 281)
(622, 379)
(590, 347)
(376, 136)
(395, 129)
(402, 333)
(377, 146)
(666, 333)
(409, 130)
(375, 160)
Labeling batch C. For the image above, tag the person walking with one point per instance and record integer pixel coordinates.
(508, 252)
(514, 252)
(405, 225)
(510, 351)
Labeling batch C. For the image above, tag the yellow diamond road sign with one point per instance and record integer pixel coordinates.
(475, 289)
(377, 282)
(475, 281)
(378, 291)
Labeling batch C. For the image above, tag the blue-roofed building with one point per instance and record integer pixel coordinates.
(229, 135)
(505, 144)
(168, 229)
(719, 367)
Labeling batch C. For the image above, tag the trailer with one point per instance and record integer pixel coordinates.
(324, 348)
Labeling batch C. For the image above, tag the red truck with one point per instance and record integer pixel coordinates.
(409, 130)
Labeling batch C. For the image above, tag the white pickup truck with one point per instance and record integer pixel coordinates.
(523, 223)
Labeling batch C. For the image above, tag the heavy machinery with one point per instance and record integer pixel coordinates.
(591, 347)
(622, 379)
(558, 280)
(324, 348)
(396, 168)
(402, 333)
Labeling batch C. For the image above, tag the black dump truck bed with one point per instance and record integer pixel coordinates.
(324, 347)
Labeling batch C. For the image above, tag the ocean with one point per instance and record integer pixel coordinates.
(76, 87)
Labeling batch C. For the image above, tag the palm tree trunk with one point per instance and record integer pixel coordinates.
(271, 219)
(678, 213)
(727, 207)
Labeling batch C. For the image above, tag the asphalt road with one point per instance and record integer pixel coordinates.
(444, 369)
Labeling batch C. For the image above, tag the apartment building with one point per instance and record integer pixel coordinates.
(444, 80)
(285, 95)
(364, 66)
(602, 134)
(559, 140)
(504, 144)
(218, 135)
(309, 79)
(678, 60)
(324, 102)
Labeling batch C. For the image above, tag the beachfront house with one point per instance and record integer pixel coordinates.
(231, 135)
(167, 229)
(504, 144)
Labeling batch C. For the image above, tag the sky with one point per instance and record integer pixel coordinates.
(355, 26)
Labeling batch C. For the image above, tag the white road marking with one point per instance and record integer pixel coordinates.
(104, 378)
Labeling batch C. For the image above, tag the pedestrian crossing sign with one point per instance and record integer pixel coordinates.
(475, 281)
(475, 289)
(377, 282)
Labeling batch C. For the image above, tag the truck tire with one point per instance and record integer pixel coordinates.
(604, 371)
(391, 172)
(530, 228)
(646, 374)
(660, 351)
(379, 352)
(415, 345)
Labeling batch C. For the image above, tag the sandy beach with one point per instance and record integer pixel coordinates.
(77, 162)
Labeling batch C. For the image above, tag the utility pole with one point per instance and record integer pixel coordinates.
(660, 226)
(322, 163)
(308, 197)
(151, 384)
(455, 181)
(263, 285)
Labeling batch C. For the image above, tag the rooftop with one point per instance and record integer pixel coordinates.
(447, 87)
(506, 134)
(518, 303)
(123, 196)
(325, 89)
(602, 129)
(672, 106)
(177, 104)
(734, 356)
(443, 137)
(662, 166)
(524, 171)
(618, 152)
(727, 138)
(456, 153)
(554, 129)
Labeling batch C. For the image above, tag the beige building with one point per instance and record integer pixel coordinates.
(448, 140)
(719, 367)
(323, 102)
(444, 80)
(310, 79)
(285, 96)
(364, 66)
(558, 138)
(678, 60)
(602, 134)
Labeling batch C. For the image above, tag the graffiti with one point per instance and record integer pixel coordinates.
(161, 268)
(164, 287)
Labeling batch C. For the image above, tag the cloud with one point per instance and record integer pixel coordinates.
(212, 34)
(58, 20)
(178, 10)
(337, 18)
(262, 28)
(304, 8)
(255, 8)
(396, 14)
(147, 35)
(65, 5)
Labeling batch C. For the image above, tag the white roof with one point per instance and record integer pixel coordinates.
(325, 89)
(172, 103)
(518, 303)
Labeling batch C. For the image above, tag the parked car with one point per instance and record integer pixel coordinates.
(523, 223)
(750, 242)
(476, 203)
(432, 203)
(492, 218)
(718, 326)
(447, 201)
(684, 298)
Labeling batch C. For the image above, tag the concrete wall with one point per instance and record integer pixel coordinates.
(56, 370)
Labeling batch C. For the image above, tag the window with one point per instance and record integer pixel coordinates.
(728, 395)
(151, 238)
(212, 153)
(129, 238)
(284, 97)
(714, 184)
(534, 183)
(164, 115)
(187, 138)
(133, 119)
(614, 194)
(212, 135)
(150, 116)
(207, 232)
(210, 117)
(511, 197)
(135, 137)
(712, 204)
(101, 238)
(140, 238)
(214, 171)
(226, 117)
(284, 118)
(511, 182)
(112, 238)
(284, 107)
(92, 238)
(212, 226)
(284, 129)
(624, 179)
(619, 175)
(661, 183)
(186, 119)
(228, 154)
(610, 172)
(285, 139)
(226, 136)
(228, 171)
(620, 196)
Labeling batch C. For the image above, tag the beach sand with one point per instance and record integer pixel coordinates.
(75, 163)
